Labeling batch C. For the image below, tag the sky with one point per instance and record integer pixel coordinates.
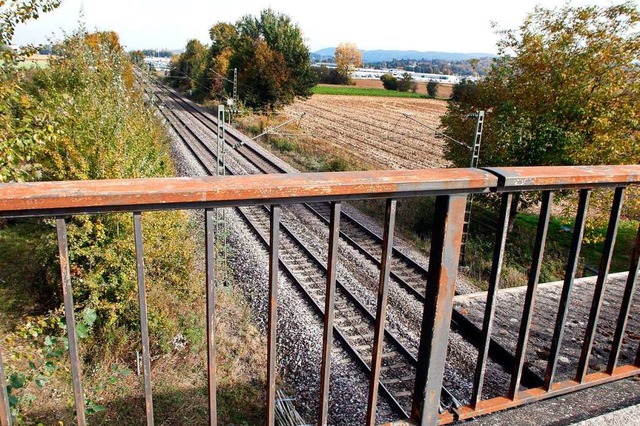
(446, 26)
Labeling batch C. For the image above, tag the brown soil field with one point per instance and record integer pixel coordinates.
(374, 130)
(444, 90)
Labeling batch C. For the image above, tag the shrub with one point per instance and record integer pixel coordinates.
(406, 83)
(389, 82)
(432, 89)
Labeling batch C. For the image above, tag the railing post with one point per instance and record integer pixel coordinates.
(532, 292)
(5, 412)
(330, 296)
(601, 282)
(274, 248)
(211, 307)
(436, 320)
(381, 310)
(492, 293)
(67, 294)
(144, 320)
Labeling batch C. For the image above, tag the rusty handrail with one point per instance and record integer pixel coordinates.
(50, 198)
(450, 186)
(563, 177)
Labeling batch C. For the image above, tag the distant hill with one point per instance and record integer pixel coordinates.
(389, 55)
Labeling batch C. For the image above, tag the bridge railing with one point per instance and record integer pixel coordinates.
(451, 188)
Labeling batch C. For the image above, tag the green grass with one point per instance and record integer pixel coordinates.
(364, 91)
(28, 64)
(560, 232)
(414, 220)
(520, 245)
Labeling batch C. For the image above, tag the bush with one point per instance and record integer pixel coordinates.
(406, 83)
(432, 89)
(98, 127)
(326, 75)
(389, 82)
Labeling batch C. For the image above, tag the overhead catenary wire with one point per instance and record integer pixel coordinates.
(220, 75)
(271, 129)
(408, 116)
(184, 76)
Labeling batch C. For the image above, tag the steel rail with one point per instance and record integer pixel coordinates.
(448, 396)
(341, 335)
(418, 273)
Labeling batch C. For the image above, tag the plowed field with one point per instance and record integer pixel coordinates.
(375, 130)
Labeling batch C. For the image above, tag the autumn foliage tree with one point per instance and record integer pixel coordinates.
(348, 57)
(269, 53)
(189, 69)
(563, 90)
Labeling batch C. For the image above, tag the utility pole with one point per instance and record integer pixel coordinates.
(475, 158)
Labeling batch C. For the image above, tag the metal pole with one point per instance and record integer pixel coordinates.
(67, 294)
(475, 158)
(438, 306)
(5, 410)
(221, 170)
(235, 90)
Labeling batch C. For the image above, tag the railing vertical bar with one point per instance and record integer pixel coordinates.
(629, 291)
(532, 286)
(274, 246)
(637, 363)
(67, 293)
(598, 294)
(144, 323)
(381, 309)
(569, 277)
(5, 411)
(494, 282)
(444, 255)
(211, 306)
(330, 294)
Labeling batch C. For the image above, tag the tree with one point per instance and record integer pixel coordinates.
(563, 90)
(189, 70)
(432, 89)
(328, 75)
(137, 57)
(389, 81)
(406, 83)
(25, 129)
(223, 39)
(273, 63)
(348, 57)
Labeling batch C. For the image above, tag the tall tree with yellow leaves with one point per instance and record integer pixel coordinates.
(348, 58)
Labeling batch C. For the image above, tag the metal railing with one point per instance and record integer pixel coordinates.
(451, 187)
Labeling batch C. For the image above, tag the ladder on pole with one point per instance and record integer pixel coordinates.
(475, 158)
(221, 170)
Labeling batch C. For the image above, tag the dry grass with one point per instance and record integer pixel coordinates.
(354, 133)
(375, 130)
(179, 378)
(294, 146)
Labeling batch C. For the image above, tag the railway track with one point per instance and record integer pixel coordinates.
(354, 322)
(409, 274)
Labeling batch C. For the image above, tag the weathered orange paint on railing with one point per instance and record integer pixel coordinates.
(32, 197)
(523, 178)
